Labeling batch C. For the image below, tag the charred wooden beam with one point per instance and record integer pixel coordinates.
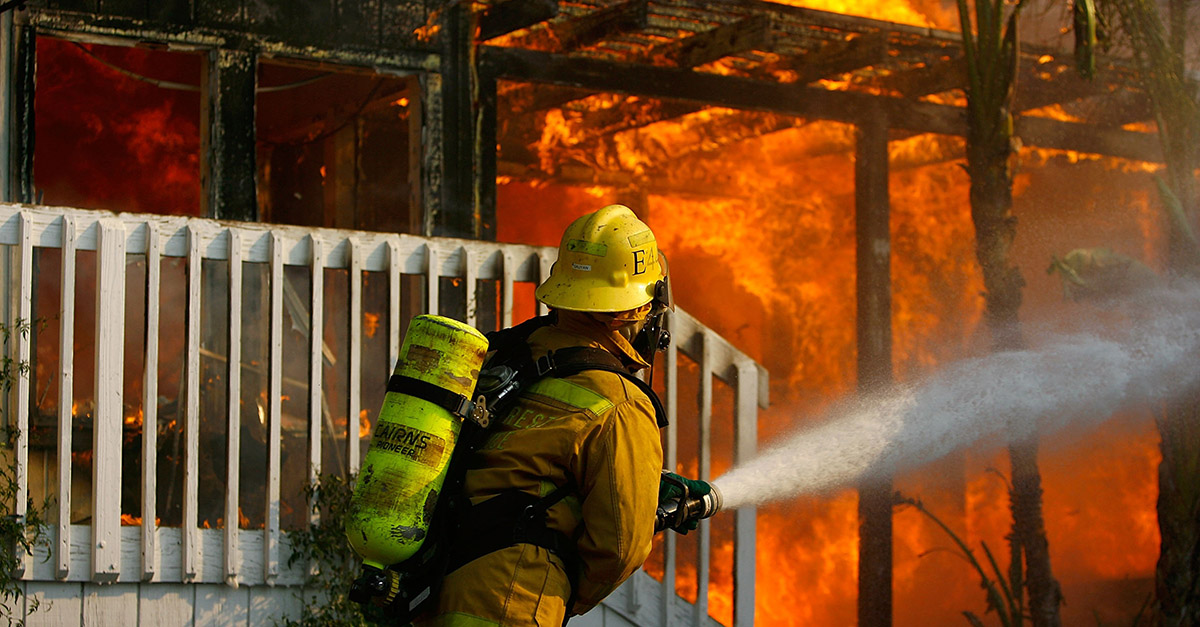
(874, 333)
(576, 33)
(227, 171)
(485, 158)
(530, 99)
(836, 58)
(635, 113)
(513, 15)
(1043, 84)
(794, 99)
(699, 49)
(572, 33)
(599, 25)
(708, 138)
(1089, 138)
(1113, 109)
(930, 79)
(21, 124)
(720, 90)
(752, 33)
(583, 175)
(456, 217)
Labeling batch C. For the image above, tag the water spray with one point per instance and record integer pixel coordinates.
(1068, 380)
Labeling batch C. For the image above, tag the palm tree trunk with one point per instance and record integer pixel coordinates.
(989, 154)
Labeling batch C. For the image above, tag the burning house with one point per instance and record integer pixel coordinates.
(279, 168)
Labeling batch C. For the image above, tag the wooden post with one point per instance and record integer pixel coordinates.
(109, 370)
(19, 165)
(457, 216)
(874, 360)
(66, 396)
(418, 153)
(227, 145)
(745, 444)
(485, 156)
(8, 108)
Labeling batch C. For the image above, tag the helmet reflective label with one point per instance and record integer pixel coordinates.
(589, 248)
(581, 267)
(637, 239)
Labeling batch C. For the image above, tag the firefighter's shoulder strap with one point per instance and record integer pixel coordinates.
(511, 348)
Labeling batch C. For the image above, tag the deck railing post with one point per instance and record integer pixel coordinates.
(107, 424)
(274, 412)
(705, 471)
(22, 340)
(745, 444)
(191, 417)
(234, 416)
(316, 352)
(150, 406)
(66, 398)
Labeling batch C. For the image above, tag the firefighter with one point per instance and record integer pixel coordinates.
(584, 449)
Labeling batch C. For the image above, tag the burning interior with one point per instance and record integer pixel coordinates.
(735, 130)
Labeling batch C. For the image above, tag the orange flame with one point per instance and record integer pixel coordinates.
(370, 323)
(364, 424)
(760, 232)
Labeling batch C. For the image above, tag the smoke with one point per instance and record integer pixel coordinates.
(1067, 380)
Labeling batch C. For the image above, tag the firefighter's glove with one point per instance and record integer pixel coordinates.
(671, 488)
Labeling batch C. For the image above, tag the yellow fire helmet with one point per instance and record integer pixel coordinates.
(608, 261)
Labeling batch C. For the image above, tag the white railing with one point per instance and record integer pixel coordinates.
(105, 550)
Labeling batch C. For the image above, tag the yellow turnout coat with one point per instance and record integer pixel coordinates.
(595, 428)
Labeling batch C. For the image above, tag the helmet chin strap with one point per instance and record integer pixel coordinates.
(652, 335)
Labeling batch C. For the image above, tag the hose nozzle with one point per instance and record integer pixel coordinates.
(674, 514)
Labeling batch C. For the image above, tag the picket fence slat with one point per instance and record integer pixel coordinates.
(745, 441)
(108, 420)
(355, 382)
(274, 413)
(23, 340)
(432, 276)
(149, 480)
(670, 462)
(66, 396)
(705, 469)
(315, 370)
(191, 418)
(233, 442)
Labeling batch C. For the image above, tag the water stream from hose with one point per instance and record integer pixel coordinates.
(1071, 380)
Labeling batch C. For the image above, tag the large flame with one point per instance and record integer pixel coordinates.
(120, 132)
(760, 232)
(756, 212)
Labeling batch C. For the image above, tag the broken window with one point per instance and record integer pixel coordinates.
(335, 148)
(117, 128)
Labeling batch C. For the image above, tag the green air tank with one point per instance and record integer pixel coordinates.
(410, 449)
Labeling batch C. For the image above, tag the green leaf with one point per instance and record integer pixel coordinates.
(973, 619)
(1084, 26)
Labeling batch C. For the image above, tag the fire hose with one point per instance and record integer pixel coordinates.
(681, 507)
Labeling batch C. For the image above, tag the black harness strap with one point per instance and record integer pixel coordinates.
(511, 518)
(456, 404)
(515, 517)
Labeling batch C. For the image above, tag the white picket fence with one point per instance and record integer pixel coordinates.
(105, 551)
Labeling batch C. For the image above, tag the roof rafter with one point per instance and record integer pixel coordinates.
(513, 15)
(799, 100)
